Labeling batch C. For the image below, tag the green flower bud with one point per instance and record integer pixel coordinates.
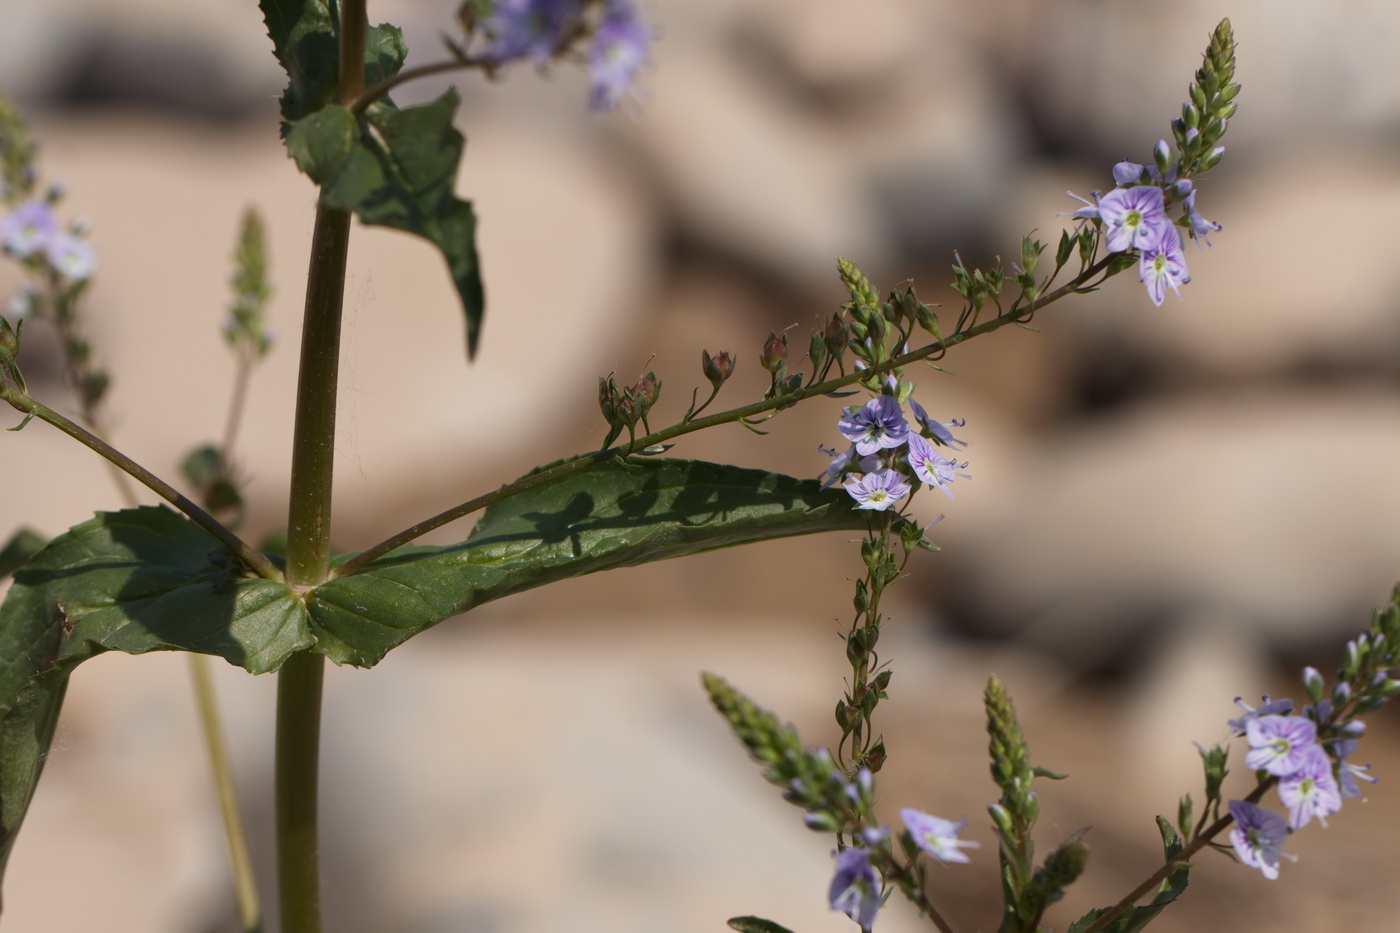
(775, 352)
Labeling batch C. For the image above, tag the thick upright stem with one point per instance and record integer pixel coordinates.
(309, 529)
(298, 748)
(313, 450)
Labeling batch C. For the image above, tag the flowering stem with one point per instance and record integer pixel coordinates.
(584, 461)
(412, 74)
(244, 882)
(240, 548)
(1157, 877)
(911, 883)
(300, 680)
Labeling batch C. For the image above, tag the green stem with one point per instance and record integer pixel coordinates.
(298, 747)
(309, 528)
(244, 551)
(313, 447)
(584, 461)
(244, 883)
(1157, 877)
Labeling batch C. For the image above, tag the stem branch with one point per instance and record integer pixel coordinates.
(583, 461)
(244, 551)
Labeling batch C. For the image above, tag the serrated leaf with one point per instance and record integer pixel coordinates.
(23, 545)
(322, 142)
(139, 580)
(756, 925)
(401, 172)
(303, 34)
(616, 514)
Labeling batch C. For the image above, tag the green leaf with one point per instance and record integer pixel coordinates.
(401, 173)
(139, 580)
(303, 34)
(1135, 919)
(756, 925)
(320, 143)
(23, 545)
(616, 514)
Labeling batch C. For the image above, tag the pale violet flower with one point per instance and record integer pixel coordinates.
(1348, 774)
(1199, 225)
(71, 257)
(1311, 791)
(937, 837)
(875, 426)
(620, 49)
(22, 303)
(877, 491)
(530, 29)
(855, 888)
(1133, 217)
(1267, 708)
(841, 462)
(1279, 744)
(931, 466)
(941, 430)
(1090, 210)
(1163, 265)
(28, 228)
(1258, 836)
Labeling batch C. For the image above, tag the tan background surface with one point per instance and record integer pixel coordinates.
(1170, 506)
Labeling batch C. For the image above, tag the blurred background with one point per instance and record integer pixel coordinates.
(1170, 506)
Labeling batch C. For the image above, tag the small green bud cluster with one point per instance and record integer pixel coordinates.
(624, 408)
(1205, 115)
(808, 777)
(246, 328)
(1027, 892)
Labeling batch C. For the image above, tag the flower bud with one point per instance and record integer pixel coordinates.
(607, 399)
(1162, 155)
(816, 349)
(647, 389)
(717, 368)
(775, 352)
(1313, 683)
(836, 335)
(1341, 694)
(9, 341)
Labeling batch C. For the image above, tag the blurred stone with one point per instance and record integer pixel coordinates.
(1266, 507)
(165, 203)
(1261, 304)
(1096, 77)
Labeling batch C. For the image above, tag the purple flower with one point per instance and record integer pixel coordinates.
(1199, 225)
(1258, 837)
(855, 888)
(939, 429)
(1348, 773)
(1090, 210)
(619, 51)
(931, 466)
(1311, 791)
(1163, 264)
(877, 491)
(71, 257)
(1279, 744)
(877, 425)
(841, 462)
(1134, 217)
(527, 28)
(28, 228)
(1129, 173)
(939, 838)
(1269, 708)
